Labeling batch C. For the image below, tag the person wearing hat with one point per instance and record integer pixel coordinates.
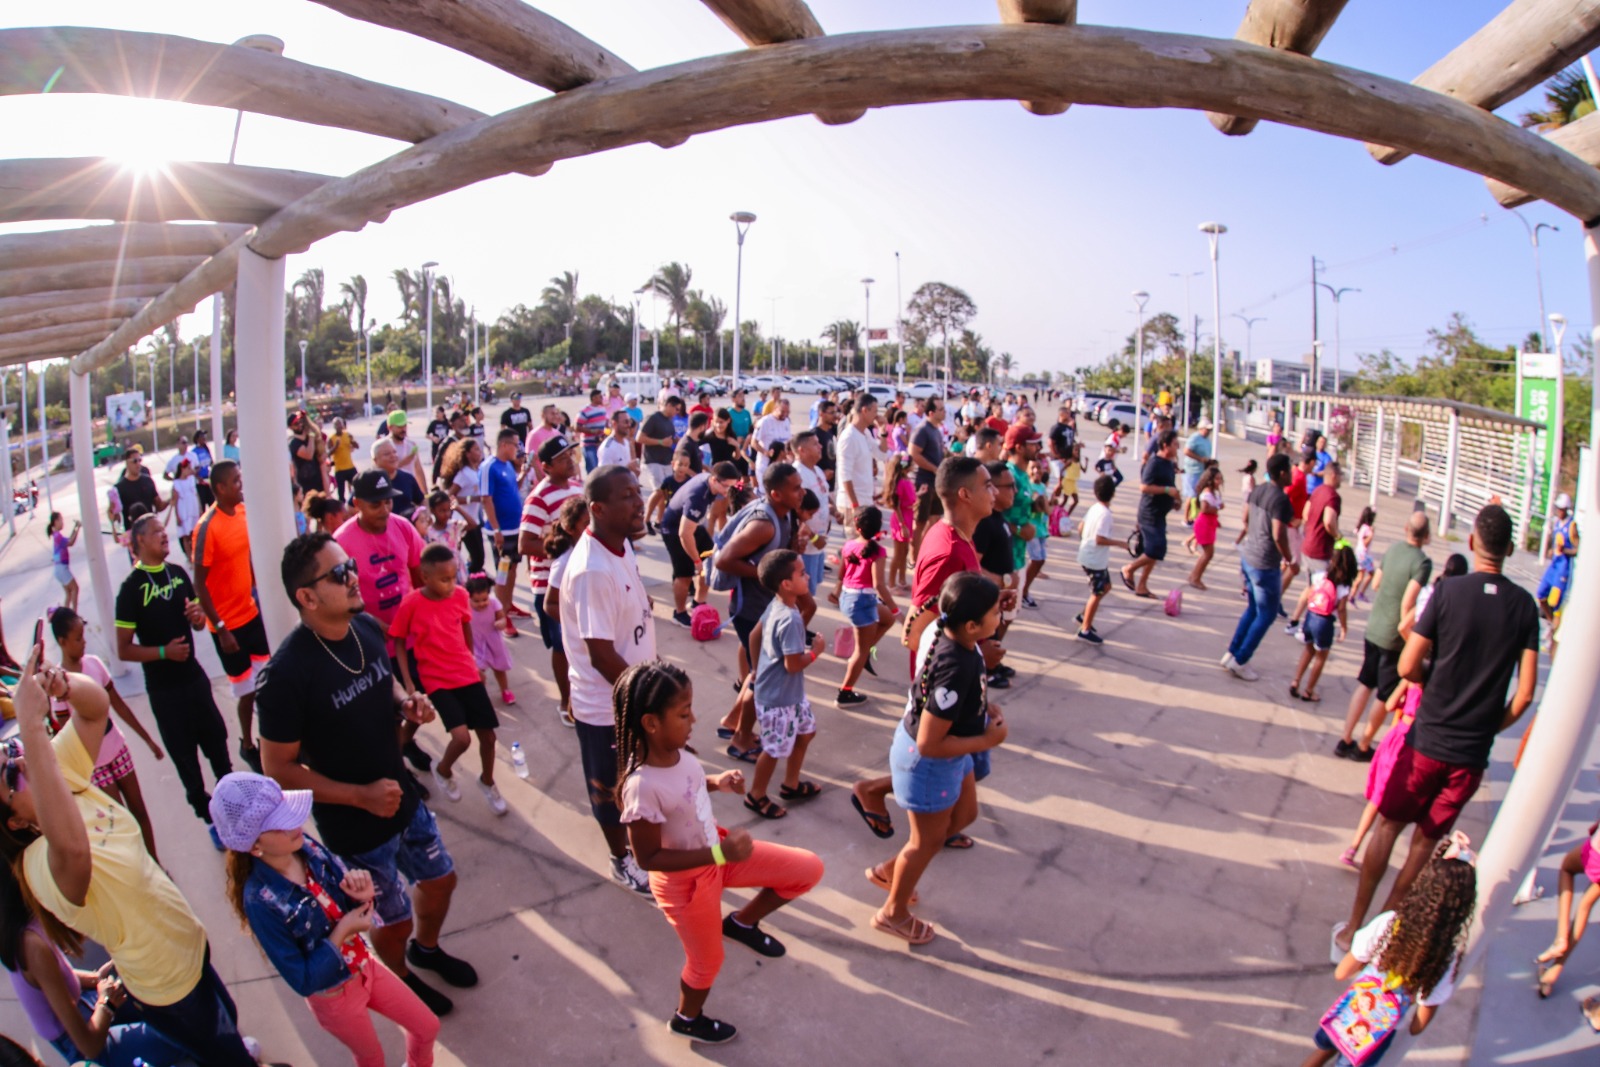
(1552, 595)
(1196, 454)
(518, 418)
(137, 487)
(307, 911)
(459, 431)
(438, 429)
(742, 421)
(408, 456)
(305, 454)
(386, 458)
(562, 479)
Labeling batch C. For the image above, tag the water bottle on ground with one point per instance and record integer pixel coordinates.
(519, 759)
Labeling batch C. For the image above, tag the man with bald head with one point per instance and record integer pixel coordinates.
(1402, 575)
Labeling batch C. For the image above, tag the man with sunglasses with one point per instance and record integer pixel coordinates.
(327, 711)
(156, 613)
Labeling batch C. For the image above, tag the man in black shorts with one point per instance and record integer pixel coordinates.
(329, 717)
(683, 528)
(1158, 494)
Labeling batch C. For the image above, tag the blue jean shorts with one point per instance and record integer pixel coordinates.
(1036, 549)
(860, 606)
(814, 563)
(1317, 631)
(549, 628)
(924, 784)
(416, 852)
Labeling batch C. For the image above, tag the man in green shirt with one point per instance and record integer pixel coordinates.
(1402, 575)
(1022, 445)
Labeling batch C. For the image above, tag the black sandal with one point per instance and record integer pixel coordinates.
(765, 807)
(880, 825)
(803, 791)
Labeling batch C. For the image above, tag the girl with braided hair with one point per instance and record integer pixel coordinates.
(863, 595)
(1405, 956)
(665, 798)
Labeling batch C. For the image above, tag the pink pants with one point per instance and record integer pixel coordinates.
(345, 1014)
(692, 900)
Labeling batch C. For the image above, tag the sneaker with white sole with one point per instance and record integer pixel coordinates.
(1245, 672)
(491, 793)
(626, 872)
(447, 786)
(1228, 662)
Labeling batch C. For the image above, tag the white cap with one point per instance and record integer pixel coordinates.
(1203, 424)
(1564, 502)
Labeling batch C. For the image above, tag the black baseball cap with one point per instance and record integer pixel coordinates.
(554, 447)
(373, 487)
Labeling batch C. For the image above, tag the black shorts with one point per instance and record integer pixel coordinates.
(744, 628)
(253, 649)
(467, 706)
(682, 565)
(1380, 669)
(597, 749)
(1099, 581)
(1155, 541)
(508, 551)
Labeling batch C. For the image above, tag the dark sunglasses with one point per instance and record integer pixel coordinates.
(341, 573)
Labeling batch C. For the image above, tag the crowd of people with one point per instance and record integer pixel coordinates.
(935, 520)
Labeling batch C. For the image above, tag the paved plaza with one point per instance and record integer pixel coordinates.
(1154, 882)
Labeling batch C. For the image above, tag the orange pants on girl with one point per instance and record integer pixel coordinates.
(692, 900)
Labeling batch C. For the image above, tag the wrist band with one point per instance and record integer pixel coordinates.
(716, 855)
(163, 652)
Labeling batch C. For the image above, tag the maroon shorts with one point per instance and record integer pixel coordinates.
(1427, 792)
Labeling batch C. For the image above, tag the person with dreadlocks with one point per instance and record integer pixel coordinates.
(665, 797)
(1407, 956)
(862, 593)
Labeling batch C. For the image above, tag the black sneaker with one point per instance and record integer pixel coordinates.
(416, 757)
(848, 697)
(1005, 671)
(1343, 748)
(1362, 755)
(1091, 637)
(251, 756)
(753, 938)
(434, 1000)
(702, 1030)
(1028, 601)
(682, 619)
(457, 972)
(1078, 618)
(997, 680)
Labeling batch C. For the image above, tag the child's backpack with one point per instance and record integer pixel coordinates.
(1324, 599)
(1058, 521)
(1174, 602)
(721, 581)
(1191, 510)
(1361, 1021)
(705, 623)
(844, 642)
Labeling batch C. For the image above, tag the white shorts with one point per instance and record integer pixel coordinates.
(1296, 540)
(778, 727)
(659, 473)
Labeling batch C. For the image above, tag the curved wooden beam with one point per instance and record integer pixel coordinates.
(96, 188)
(1043, 12)
(759, 22)
(104, 313)
(504, 33)
(1515, 51)
(52, 337)
(1296, 26)
(1581, 138)
(101, 274)
(23, 305)
(79, 59)
(133, 240)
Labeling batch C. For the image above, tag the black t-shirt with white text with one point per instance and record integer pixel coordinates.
(151, 603)
(1153, 507)
(992, 538)
(1062, 438)
(693, 501)
(518, 419)
(951, 687)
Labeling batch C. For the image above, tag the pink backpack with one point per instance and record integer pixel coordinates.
(1324, 599)
(1058, 521)
(705, 623)
(844, 642)
(1174, 602)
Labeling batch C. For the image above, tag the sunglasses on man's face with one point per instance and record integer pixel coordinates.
(339, 572)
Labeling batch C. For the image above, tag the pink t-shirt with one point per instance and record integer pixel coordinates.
(857, 572)
(432, 629)
(114, 743)
(383, 563)
(674, 798)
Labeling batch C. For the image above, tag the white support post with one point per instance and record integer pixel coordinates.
(217, 433)
(1523, 444)
(1377, 459)
(93, 541)
(258, 366)
(1447, 500)
(44, 449)
(10, 491)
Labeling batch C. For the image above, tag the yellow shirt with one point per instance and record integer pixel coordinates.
(341, 445)
(132, 907)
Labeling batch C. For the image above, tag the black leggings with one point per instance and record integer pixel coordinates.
(473, 540)
(189, 723)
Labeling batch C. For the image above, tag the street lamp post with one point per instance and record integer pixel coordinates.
(303, 346)
(1139, 300)
(866, 325)
(638, 294)
(155, 445)
(1214, 232)
(366, 344)
(1249, 325)
(1194, 340)
(741, 224)
(1338, 375)
(1538, 282)
(772, 324)
(1558, 326)
(427, 339)
(899, 326)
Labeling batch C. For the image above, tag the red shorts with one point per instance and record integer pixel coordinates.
(1427, 792)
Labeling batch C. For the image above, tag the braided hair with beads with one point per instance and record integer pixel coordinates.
(643, 689)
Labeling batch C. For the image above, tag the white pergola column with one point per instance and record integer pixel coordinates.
(217, 432)
(93, 542)
(1447, 500)
(10, 490)
(1377, 459)
(258, 374)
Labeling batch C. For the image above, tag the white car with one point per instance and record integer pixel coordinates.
(1120, 410)
(808, 385)
(925, 390)
(881, 391)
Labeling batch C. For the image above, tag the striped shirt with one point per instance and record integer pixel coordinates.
(591, 423)
(537, 512)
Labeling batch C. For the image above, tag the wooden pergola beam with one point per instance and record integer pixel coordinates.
(101, 274)
(503, 33)
(1042, 13)
(14, 360)
(1515, 51)
(105, 313)
(1296, 26)
(49, 339)
(1581, 138)
(80, 59)
(97, 188)
(762, 22)
(23, 305)
(133, 240)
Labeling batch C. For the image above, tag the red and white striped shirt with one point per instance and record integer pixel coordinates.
(537, 512)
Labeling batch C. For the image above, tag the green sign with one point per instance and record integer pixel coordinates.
(1538, 402)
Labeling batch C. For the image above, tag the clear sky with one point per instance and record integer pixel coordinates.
(1049, 223)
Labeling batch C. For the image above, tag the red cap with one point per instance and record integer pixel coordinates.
(1020, 434)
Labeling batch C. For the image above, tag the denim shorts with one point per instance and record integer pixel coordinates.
(416, 852)
(549, 628)
(924, 784)
(1036, 549)
(597, 751)
(815, 562)
(1317, 631)
(860, 606)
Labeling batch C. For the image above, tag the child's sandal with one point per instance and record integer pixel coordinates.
(765, 807)
(911, 929)
(803, 791)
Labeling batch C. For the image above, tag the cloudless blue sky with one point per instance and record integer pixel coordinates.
(1049, 223)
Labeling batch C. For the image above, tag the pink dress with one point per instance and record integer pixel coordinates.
(488, 647)
(900, 521)
(1389, 748)
(1206, 523)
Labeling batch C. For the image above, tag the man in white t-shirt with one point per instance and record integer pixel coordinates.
(857, 451)
(607, 627)
(618, 448)
(774, 425)
(808, 453)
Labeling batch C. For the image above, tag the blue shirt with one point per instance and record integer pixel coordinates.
(500, 486)
(636, 413)
(1314, 479)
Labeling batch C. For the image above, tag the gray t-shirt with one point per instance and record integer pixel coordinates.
(931, 441)
(1267, 502)
(783, 633)
(1403, 564)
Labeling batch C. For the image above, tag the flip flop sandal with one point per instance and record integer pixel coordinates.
(911, 930)
(881, 825)
(1146, 594)
(1128, 582)
(876, 878)
(765, 807)
(1311, 697)
(1348, 858)
(723, 733)
(803, 791)
(745, 755)
(1294, 691)
(960, 842)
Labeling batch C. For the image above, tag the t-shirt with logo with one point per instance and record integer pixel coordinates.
(1062, 438)
(674, 798)
(498, 482)
(384, 562)
(693, 501)
(518, 419)
(222, 543)
(151, 603)
(432, 629)
(336, 700)
(950, 686)
(602, 597)
(1318, 542)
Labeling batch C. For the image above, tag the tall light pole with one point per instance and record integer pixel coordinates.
(427, 338)
(900, 327)
(1194, 339)
(741, 226)
(366, 344)
(866, 325)
(1338, 374)
(772, 324)
(197, 384)
(172, 393)
(638, 295)
(1214, 232)
(1139, 300)
(155, 445)
(1558, 326)
(1249, 325)
(1538, 282)
(303, 345)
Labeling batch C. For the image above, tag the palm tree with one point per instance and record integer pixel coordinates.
(355, 299)
(671, 283)
(1568, 98)
(561, 297)
(309, 307)
(411, 288)
(1003, 363)
(843, 334)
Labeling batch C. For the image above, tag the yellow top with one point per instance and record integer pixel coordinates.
(341, 445)
(132, 907)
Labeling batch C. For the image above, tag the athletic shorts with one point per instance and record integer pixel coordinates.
(778, 727)
(468, 706)
(744, 628)
(416, 852)
(682, 565)
(597, 748)
(1155, 541)
(253, 653)
(1380, 669)
(1099, 581)
(660, 474)
(1428, 792)
(507, 552)
(1036, 549)
(1296, 540)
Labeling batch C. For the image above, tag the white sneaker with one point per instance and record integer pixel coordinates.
(625, 871)
(252, 1046)
(447, 786)
(1228, 662)
(1245, 671)
(492, 795)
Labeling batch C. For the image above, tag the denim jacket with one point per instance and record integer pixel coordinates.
(291, 926)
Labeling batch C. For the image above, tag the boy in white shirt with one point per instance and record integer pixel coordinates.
(1094, 555)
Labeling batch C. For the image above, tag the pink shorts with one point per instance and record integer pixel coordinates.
(1591, 862)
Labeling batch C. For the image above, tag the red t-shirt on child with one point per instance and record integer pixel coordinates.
(432, 629)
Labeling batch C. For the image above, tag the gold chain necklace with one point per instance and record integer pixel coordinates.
(360, 648)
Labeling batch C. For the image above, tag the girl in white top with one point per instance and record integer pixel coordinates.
(185, 505)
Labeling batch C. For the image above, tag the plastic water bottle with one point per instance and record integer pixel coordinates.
(519, 759)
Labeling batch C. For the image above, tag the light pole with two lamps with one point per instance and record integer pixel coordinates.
(303, 346)
(741, 224)
(427, 338)
(1338, 371)
(1538, 283)
(866, 326)
(1139, 299)
(1214, 232)
(1194, 340)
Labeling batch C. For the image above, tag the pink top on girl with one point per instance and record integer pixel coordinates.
(855, 563)
(900, 520)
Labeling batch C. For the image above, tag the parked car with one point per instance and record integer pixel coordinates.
(1085, 403)
(1122, 411)
(926, 390)
(882, 391)
(808, 385)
